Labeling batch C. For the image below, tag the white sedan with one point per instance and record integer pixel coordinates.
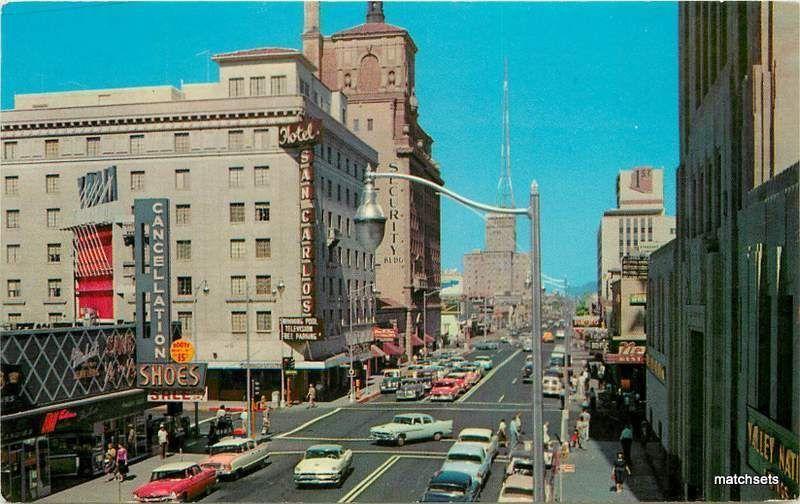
(483, 437)
(323, 465)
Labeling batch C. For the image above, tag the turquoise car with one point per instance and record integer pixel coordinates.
(485, 361)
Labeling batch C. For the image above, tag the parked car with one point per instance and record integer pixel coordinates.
(552, 386)
(560, 334)
(412, 388)
(411, 427)
(484, 437)
(451, 486)
(547, 337)
(177, 482)
(445, 389)
(390, 384)
(527, 346)
(485, 361)
(327, 464)
(527, 373)
(517, 488)
(233, 456)
(464, 380)
(485, 345)
(557, 358)
(469, 459)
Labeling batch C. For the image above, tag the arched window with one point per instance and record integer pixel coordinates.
(369, 76)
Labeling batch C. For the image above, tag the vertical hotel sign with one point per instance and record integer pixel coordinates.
(304, 135)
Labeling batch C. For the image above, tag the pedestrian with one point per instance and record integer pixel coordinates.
(162, 441)
(645, 432)
(626, 440)
(312, 396)
(585, 419)
(502, 439)
(245, 418)
(545, 433)
(122, 462)
(265, 412)
(619, 472)
(518, 420)
(110, 463)
(513, 435)
(575, 439)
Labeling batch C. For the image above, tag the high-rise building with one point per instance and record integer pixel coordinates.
(373, 64)
(734, 381)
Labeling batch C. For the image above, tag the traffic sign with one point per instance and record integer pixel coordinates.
(351, 373)
(568, 468)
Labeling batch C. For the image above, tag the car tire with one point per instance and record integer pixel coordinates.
(437, 436)
(401, 440)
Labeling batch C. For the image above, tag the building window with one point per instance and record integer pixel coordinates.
(12, 219)
(258, 86)
(263, 285)
(53, 253)
(51, 149)
(183, 214)
(54, 288)
(262, 211)
(277, 85)
(330, 189)
(238, 321)
(264, 321)
(9, 150)
(51, 183)
(12, 253)
(355, 125)
(260, 175)
(93, 146)
(237, 249)
(238, 285)
(182, 179)
(235, 140)
(235, 176)
(236, 213)
(184, 286)
(55, 318)
(136, 142)
(263, 248)
(338, 192)
(261, 139)
(184, 250)
(185, 318)
(236, 87)
(137, 180)
(182, 142)
(369, 124)
(53, 217)
(14, 288)
(12, 185)
(14, 319)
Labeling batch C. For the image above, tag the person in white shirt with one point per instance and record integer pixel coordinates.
(162, 441)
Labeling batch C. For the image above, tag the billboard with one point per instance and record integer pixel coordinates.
(300, 328)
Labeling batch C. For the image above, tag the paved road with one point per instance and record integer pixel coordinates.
(386, 472)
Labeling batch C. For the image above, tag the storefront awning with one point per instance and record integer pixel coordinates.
(328, 363)
(391, 349)
(415, 341)
(429, 338)
(377, 352)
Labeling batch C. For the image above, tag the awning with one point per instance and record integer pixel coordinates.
(328, 363)
(429, 338)
(390, 348)
(377, 352)
(415, 341)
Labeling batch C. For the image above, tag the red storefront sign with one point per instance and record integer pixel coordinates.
(627, 353)
(52, 418)
(384, 334)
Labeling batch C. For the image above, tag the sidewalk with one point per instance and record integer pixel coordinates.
(102, 490)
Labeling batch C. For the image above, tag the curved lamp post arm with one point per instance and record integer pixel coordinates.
(447, 192)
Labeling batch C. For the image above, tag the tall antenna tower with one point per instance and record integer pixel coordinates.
(505, 191)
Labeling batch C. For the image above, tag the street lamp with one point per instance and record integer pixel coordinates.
(370, 224)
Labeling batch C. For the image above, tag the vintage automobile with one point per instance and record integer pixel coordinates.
(465, 379)
(484, 437)
(233, 456)
(177, 482)
(451, 486)
(411, 427)
(547, 337)
(390, 384)
(527, 346)
(446, 389)
(517, 488)
(552, 386)
(527, 373)
(469, 459)
(326, 464)
(485, 361)
(410, 388)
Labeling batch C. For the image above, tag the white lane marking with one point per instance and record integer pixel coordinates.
(499, 407)
(300, 438)
(514, 380)
(310, 422)
(366, 482)
(501, 398)
(488, 377)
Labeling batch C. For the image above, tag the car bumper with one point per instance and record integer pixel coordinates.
(382, 436)
(316, 479)
(405, 396)
(448, 397)
(162, 498)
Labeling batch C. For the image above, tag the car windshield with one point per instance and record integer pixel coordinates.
(522, 492)
(446, 488)
(227, 449)
(175, 474)
(464, 457)
(442, 383)
(313, 453)
(473, 437)
(483, 358)
(402, 420)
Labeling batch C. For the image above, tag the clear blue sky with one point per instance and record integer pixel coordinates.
(593, 90)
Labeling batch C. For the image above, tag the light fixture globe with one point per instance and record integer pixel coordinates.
(370, 221)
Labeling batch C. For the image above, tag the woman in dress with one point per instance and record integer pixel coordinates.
(620, 471)
(122, 462)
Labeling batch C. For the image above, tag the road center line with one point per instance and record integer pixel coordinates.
(366, 482)
(488, 377)
(501, 398)
(514, 380)
(309, 423)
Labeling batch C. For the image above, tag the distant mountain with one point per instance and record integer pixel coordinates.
(580, 290)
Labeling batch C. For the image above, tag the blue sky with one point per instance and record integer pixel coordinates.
(593, 90)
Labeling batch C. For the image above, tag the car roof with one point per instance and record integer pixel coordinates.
(467, 448)
(476, 432)
(232, 441)
(411, 415)
(482, 357)
(175, 466)
(325, 447)
(519, 481)
(451, 477)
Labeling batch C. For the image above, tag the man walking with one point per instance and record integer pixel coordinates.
(626, 440)
(162, 441)
(584, 419)
(311, 396)
(513, 435)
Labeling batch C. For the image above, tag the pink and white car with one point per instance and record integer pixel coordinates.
(177, 482)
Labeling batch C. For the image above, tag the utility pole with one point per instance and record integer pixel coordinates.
(536, 346)
(247, 378)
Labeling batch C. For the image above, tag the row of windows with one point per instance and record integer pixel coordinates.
(258, 86)
(53, 218)
(181, 143)
(238, 321)
(52, 318)
(357, 124)
(14, 288)
(51, 184)
(340, 162)
(13, 254)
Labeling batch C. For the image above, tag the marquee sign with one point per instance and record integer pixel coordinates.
(772, 449)
(384, 334)
(300, 328)
(299, 134)
(627, 353)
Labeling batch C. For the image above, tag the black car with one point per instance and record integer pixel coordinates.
(451, 486)
(527, 372)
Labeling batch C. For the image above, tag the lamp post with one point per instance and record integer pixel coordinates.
(204, 286)
(425, 315)
(351, 373)
(370, 223)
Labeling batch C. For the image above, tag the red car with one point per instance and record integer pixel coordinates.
(446, 389)
(177, 482)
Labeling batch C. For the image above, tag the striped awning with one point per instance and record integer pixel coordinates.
(390, 348)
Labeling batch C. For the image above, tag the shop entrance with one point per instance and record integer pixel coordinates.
(26, 470)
